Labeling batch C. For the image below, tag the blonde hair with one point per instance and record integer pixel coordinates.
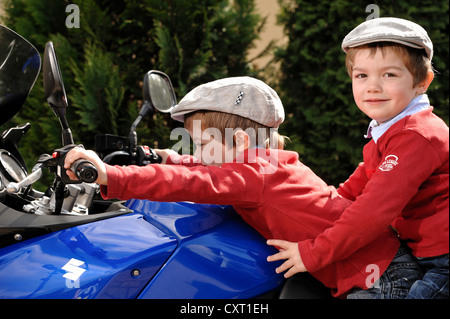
(223, 121)
(416, 61)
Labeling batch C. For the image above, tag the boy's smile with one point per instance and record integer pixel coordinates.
(382, 85)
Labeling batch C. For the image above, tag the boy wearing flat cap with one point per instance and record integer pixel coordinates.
(267, 186)
(403, 182)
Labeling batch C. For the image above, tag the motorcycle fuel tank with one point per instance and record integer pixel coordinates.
(162, 250)
(218, 256)
(111, 258)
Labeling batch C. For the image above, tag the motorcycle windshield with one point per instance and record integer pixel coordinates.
(20, 63)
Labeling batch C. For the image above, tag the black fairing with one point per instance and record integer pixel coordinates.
(20, 63)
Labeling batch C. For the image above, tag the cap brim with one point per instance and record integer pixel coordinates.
(363, 42)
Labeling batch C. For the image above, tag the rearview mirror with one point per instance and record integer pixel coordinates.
(158, 93)
(54, 90)
(53, 83)
(158, 90)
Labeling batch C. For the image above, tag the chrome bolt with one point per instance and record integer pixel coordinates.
(136, 273)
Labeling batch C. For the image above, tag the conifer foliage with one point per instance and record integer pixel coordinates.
(104, 57)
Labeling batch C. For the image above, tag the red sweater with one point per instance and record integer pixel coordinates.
(291, 204)
(403, 182)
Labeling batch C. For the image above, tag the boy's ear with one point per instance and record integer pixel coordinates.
(242, 141)
(423, 87)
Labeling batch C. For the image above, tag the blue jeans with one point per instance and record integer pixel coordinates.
(434, 284)
(396, 281)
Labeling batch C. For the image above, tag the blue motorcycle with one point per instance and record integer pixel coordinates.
(67, 242)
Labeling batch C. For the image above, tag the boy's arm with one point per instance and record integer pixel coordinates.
(355, 184)
(383, 199)
(171, 157)
(228, 185)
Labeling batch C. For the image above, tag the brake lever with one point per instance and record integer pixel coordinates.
(13, 188)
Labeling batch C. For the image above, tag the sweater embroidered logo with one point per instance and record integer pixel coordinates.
(389, 163)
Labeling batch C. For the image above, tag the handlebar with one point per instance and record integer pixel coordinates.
(84, 171)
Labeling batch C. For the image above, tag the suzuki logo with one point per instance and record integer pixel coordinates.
(73, 269)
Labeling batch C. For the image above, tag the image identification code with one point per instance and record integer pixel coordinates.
(229, 308)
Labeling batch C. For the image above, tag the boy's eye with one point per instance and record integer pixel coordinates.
(389, 75)
(360, 76)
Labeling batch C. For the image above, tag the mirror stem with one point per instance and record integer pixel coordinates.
(133, 136)
(67, 137)
(146, 107)
(133, 139)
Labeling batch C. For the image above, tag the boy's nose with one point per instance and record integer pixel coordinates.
(373, 86)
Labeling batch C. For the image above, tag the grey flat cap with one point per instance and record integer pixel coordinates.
(391, 30)
(243, 96)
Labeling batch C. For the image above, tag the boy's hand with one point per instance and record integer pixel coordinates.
(289, 251)
(76, 153)
(165, 154)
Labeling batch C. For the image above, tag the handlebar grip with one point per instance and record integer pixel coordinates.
(157, 159)
(84, 171)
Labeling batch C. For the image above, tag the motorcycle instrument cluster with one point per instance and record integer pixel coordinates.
(10, 169)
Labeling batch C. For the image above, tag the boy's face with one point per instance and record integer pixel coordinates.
(209, 147)
(382, 85)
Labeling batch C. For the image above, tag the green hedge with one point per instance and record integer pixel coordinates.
(103, 63)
